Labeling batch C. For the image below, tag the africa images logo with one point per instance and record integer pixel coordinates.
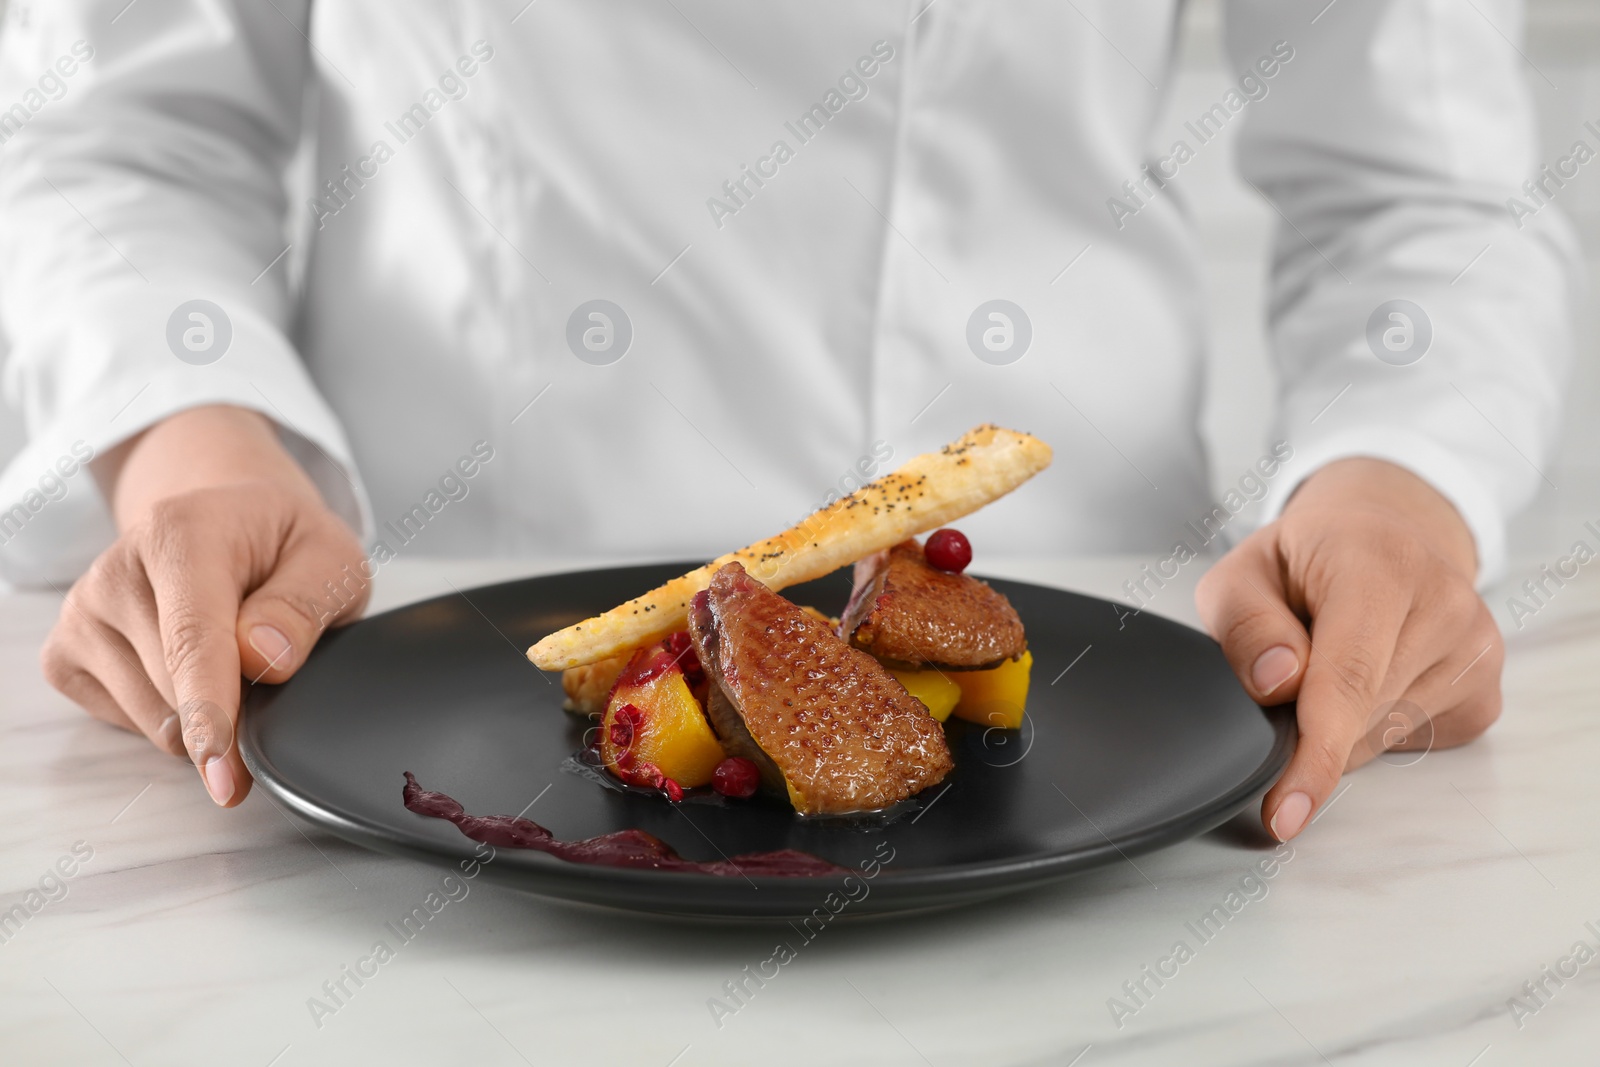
(199, 332)
(599, 332)
(999, 332)
(1399, 332)
(853, 85)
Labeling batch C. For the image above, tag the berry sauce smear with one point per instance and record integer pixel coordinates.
(624, 848)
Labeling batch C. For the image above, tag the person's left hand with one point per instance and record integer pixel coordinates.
(1359, 595)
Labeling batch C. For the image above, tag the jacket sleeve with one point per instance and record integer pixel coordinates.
(1394, 146)
(143, 169)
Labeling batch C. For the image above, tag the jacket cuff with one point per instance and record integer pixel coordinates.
(1422, 456)
(50, 533)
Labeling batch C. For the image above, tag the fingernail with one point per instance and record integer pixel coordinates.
(1290, 817)
(1273, 667)
(270, 642)
(208, 738)
(219, 779)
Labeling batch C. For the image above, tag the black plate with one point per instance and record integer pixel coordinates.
(1147, 739)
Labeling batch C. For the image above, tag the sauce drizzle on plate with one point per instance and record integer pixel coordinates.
(623, 848)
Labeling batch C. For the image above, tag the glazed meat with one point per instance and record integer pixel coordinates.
(908, 613)
(823, 720)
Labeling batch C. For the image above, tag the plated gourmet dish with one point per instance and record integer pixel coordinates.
(716, 681)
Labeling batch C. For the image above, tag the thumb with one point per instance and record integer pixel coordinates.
(322, 579)
(1243, 604)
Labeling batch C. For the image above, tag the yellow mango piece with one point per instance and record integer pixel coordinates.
(934, 688)
(672, 732)
(995, 697)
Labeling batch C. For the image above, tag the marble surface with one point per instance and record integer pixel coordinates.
(1397, 932)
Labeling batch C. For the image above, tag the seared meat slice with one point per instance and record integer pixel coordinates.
(832, 726)
(911, 614)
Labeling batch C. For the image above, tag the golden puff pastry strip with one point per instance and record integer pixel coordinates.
(927, 492)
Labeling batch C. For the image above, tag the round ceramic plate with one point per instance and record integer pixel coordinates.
(1137, 736)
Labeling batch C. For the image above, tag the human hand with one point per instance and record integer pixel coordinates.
(219, 571)
(1380, 567)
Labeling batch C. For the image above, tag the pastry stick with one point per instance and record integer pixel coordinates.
(929, 491)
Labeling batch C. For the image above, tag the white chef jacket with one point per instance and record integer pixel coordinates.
(479, 170)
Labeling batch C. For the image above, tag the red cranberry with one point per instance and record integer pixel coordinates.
(948, 550)
(646, 666)
(679, 646)
(677, 643)
(624, 724)
(648, 776)
(736, 777)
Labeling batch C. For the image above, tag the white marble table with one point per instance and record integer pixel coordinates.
(1410, 913)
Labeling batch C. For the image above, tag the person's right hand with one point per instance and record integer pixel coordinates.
(225, 571)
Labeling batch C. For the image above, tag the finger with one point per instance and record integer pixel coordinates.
(84, 690)
(111, 660)
(1478, 707)
(1454, 692)
(1242, 603)
(122, 596)
(1354, 633)
(1401, 732)
(320, 581)
(197, 588)
(1455, 725)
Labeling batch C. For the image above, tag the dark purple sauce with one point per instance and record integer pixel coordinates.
(624, 848)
